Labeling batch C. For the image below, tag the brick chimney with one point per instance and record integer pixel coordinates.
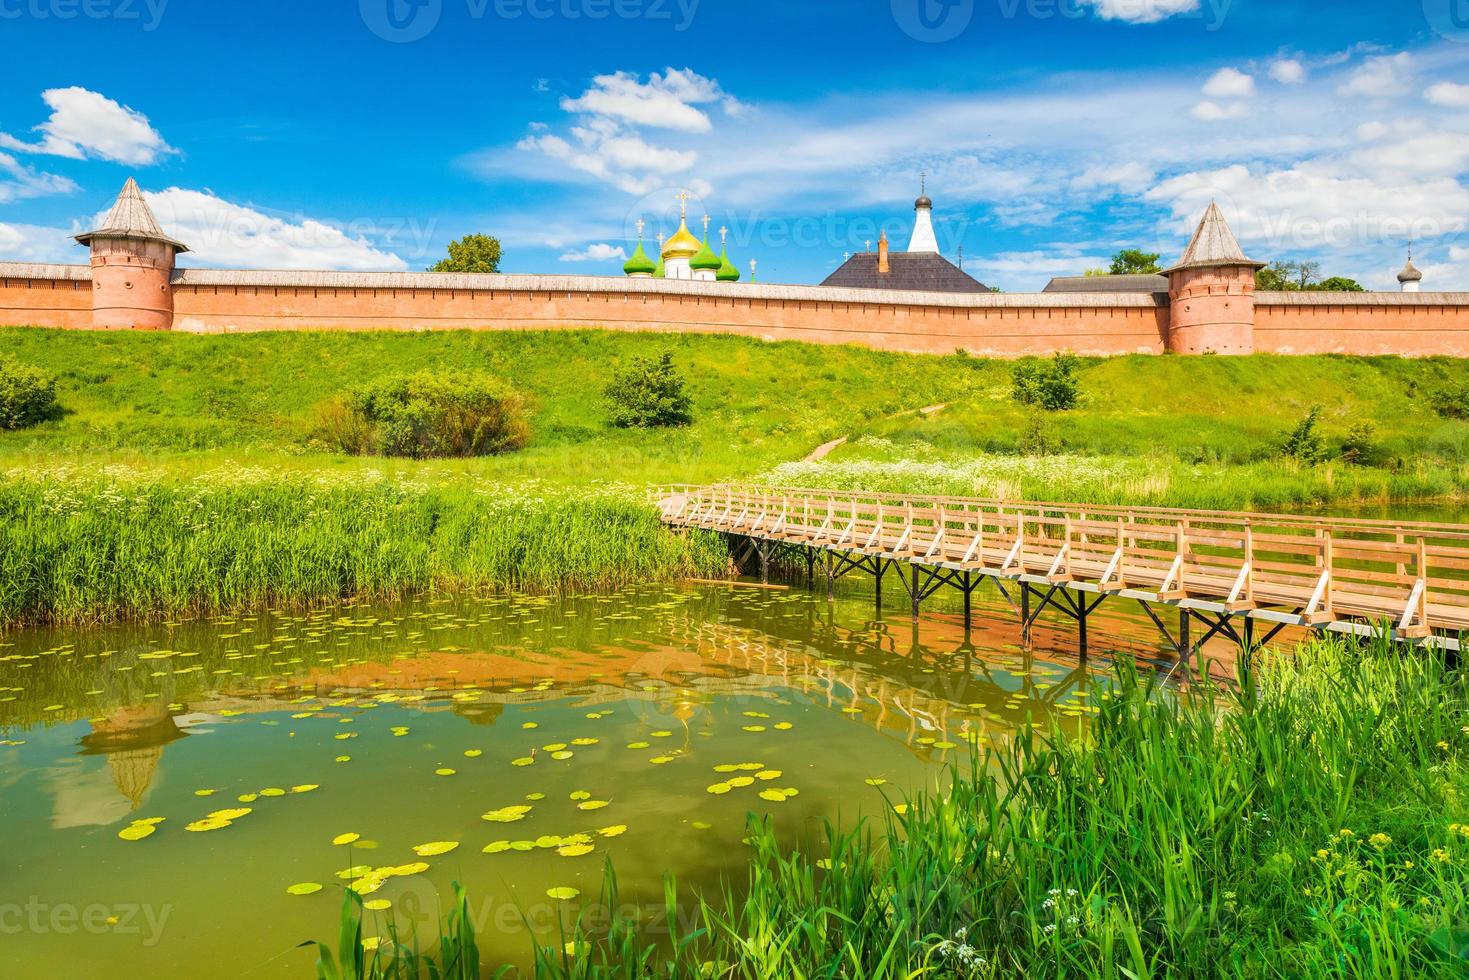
(883, 267)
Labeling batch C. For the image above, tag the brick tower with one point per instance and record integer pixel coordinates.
(132, 267)
(1212, 293)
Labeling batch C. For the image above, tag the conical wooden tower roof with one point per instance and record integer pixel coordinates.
(1213, 244)
(131, 217)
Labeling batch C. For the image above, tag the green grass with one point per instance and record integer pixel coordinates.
(1227, 410)
(1307, 822)
(172, 403)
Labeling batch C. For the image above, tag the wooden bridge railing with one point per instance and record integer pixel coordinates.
(1415, 574)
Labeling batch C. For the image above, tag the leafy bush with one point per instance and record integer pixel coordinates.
(427, 415)
(1051, 385)
(1039, 437)
(1361, 446)
(1304, 443)
(27, 395)
(1451, 401)
(648, 394)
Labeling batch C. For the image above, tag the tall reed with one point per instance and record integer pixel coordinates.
(80, 550)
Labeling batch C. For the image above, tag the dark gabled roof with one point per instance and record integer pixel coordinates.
(1107, 284)
(920, 271)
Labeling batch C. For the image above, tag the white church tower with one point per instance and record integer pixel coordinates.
(924, 239)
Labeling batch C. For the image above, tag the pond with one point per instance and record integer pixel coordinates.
(247, 755)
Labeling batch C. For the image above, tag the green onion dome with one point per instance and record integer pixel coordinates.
(727, 270)
(706, 260)
(660, 271)
(639, 264)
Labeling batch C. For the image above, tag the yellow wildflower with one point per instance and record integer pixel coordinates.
(1441, 855)
(1379, 841)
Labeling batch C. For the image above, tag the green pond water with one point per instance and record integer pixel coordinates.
(614, 720)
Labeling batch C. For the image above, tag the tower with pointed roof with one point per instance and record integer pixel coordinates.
(132, 266)
(1211, 292)
(924, 240)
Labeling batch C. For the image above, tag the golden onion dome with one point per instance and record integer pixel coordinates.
(683, 245)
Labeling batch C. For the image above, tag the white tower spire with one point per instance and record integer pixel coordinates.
(924, 239)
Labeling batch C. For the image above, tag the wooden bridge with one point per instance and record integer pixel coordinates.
(1232, 573)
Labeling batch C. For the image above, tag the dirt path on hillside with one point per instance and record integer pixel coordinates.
(827, 448)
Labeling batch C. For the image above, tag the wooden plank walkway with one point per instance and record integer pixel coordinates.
(1215, 567)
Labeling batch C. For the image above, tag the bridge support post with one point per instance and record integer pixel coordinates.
(810, 556)
(881, 571)
(831, 577)
(764, 563)
(1185, 641)
(968, 602)
(1024, 612)
(916, 592)
(1082, 612)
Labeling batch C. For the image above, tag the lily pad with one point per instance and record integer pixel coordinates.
(136, 831)
(341, 839)
(436, 848)
(304, 888)
(563, 894)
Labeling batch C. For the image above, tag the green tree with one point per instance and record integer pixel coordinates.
(1304, 443)
(1135, 262)
(1338, 284)
(1052, 385)
(472, 253)
(649, 394)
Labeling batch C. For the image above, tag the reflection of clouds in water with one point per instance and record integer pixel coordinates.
(85, 794)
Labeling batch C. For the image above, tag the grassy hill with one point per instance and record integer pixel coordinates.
(1203, 430)
(184, 477)
(173, 402)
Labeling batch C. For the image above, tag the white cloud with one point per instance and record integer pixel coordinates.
(1415, 149)
(1230, 83)
(1381, 77)
(596, 252)
(1141, 11)
(1031, 270)
(18, 182)
(87, 125)
(1214, 112)
(604, 141)
(1449, 94)
(220, 233)
(1131, 177)
(1319, 204)
(34, 243)
(667, 101)
(1369, 132)
(1288, 71)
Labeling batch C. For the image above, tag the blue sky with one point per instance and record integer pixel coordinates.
(364, 134)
